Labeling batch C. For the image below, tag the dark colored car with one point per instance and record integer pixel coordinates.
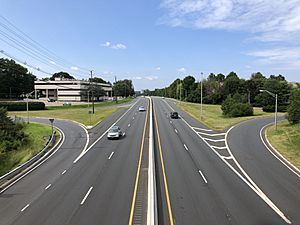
(174, 115)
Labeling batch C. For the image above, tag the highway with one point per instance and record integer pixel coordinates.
(203, 176)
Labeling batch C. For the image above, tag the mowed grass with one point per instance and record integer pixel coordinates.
(78, 113)
(38, 134)
(213, 117)
(286, 139)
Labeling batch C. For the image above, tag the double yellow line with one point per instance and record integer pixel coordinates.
(138, 170)
(163, 171)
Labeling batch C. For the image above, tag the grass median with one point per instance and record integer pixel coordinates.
(78, 113)
(213, 117)
(286, 140)
(38, 136)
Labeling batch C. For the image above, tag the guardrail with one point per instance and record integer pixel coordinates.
(6, 177)
(152, 196)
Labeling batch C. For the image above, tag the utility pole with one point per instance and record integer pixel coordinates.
(92, 92)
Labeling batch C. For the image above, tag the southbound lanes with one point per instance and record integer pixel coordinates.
(202, 188)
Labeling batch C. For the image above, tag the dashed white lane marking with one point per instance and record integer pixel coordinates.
(213, 140)
(111, 154)
(128, 125)
(186, 148)
(133, 118)
(203, 177)
(86, 195)
(170, 121)
(63, 172)
(47, 186)
(26, 206)
(176, 131)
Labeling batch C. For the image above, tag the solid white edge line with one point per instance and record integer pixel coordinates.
(278, 156)
(186, 148)
(25, 207)
(92, 145)
(213, 140)
(111, 154)
(49, 185)
(203, 177)
(63, 172)
(220, 148)
(247, 181)
(44, 160)
(86, 195)
(198, 128)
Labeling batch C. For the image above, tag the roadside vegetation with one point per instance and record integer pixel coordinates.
(78, 113)
(19, 141)
(286, 139)
(213, 116)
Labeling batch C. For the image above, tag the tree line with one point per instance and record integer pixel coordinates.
(216, 88)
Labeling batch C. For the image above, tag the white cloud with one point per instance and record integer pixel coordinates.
(281, 57)
(119, 46)
(266, 21)
(157, 68)
(114, 46)
(74, 68)
(137, 78)
(151, 78)
(52, 62)
(182, 70)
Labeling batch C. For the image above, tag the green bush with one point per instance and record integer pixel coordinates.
(294, 107)
(22, 106)
(233, 107)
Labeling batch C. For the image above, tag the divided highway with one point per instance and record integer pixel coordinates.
(202, 176)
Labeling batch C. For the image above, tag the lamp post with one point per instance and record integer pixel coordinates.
(201, 95)
(276, 104)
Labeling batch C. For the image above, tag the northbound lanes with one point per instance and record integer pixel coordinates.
(97, 189)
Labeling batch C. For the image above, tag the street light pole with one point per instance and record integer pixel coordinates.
(201, 95)
(276, 104)
(92, 92)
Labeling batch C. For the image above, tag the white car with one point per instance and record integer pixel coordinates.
(142, 108)
(115, 133)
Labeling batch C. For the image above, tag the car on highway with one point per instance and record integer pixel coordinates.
(174, 115)
(115, 133)
(142, 109)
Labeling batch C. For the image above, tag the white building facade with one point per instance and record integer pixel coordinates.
(69, 90)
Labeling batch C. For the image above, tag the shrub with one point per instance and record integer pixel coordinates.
(232, 107)
(293, 110)
(22, 106)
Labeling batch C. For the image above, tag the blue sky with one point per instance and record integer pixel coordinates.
(154, 42)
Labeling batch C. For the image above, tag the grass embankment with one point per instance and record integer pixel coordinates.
(213, 117)
(78, 113)
(38, 136)
(286, 139)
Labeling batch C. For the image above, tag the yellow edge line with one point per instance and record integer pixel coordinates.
(138, 171)
(163, 171)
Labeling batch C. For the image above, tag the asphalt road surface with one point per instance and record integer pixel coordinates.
(203, 176)
(221, 177)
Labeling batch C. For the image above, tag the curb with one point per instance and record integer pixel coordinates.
(276, 153)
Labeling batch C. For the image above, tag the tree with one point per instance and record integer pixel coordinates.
(62, 75)
(15, 80)
(123, 88)
(97, 80)
(188, 85)
(294, 107)
(235, 106)
(11, 134)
